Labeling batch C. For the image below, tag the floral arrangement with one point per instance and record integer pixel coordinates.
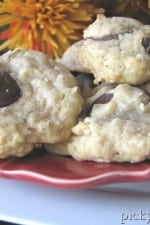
(51, 26)
(45, 25)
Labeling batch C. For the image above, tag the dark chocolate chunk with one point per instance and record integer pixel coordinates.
(146, 44)
(110, 37)
(9, 90)
(105, 38)
(103, 99)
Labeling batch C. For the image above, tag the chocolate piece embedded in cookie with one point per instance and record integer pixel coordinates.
(103, 99)
(110, 37)
(9, 90)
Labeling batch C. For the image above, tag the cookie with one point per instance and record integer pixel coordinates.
(39, 102)
(115, 127)
(115, 50)
(70, 57)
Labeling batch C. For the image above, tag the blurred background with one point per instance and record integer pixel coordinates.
(138, 9)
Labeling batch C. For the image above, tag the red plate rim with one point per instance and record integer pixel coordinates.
(65, 172)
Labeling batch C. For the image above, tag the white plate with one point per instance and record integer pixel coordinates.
(35, 204)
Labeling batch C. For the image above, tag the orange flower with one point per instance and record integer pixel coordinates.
(49, 26)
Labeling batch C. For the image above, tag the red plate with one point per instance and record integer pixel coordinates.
(65, 172)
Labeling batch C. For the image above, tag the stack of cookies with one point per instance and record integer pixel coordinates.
(112, 63)
(96, 109)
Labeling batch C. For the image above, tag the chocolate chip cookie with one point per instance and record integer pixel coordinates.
(115, 126)
(39, 102)
(115, 50)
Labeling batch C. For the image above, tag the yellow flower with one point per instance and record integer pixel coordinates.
(49, 26)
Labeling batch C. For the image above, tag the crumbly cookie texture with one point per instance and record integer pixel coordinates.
(115, 50)
(39, 102)
(116, 127)
(107, 26)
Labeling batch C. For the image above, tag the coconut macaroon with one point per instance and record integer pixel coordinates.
(39, 102)
(114, 127)
(115, 50)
